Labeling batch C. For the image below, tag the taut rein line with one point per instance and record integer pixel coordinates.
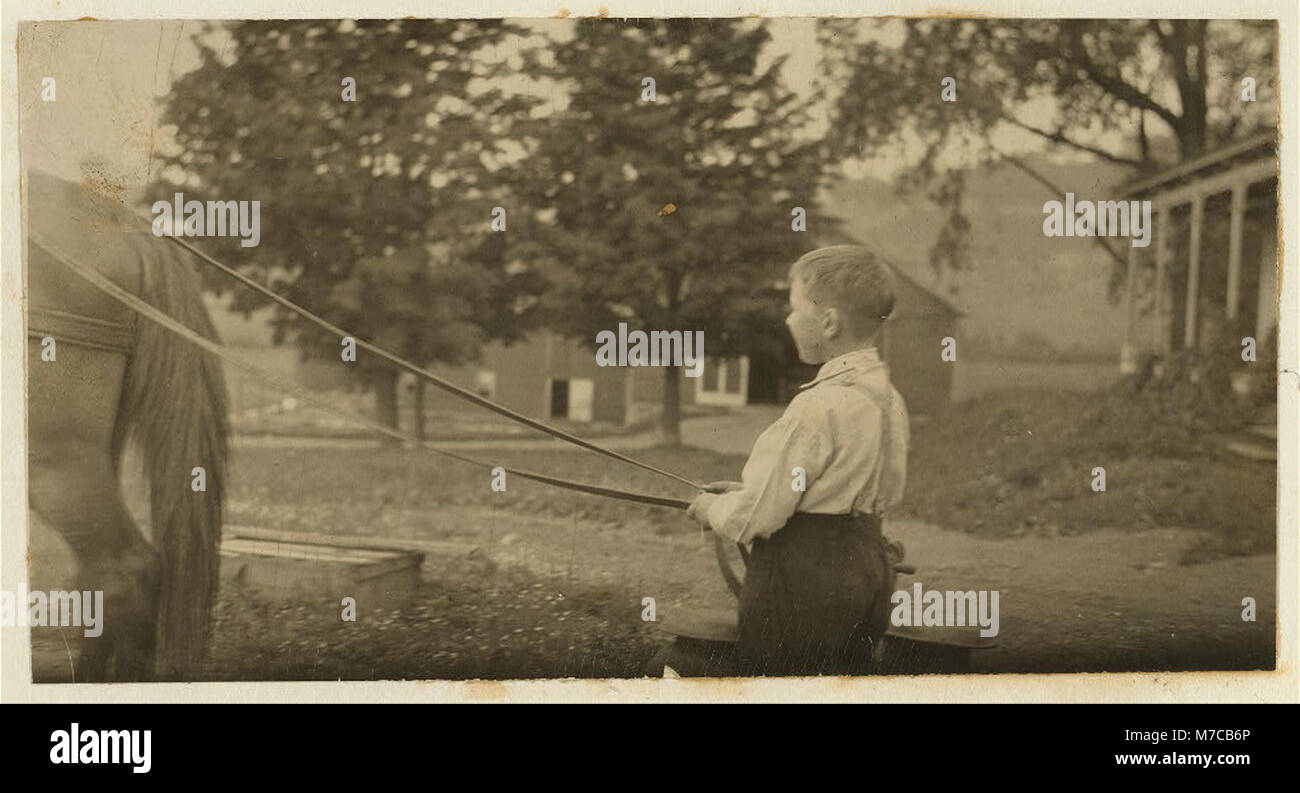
(145, 309)
(425, 374)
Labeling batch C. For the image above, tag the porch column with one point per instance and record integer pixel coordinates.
(1193, 272)
(1234, 249)
(1128, 352)
(1266, 307)
(1160, 333)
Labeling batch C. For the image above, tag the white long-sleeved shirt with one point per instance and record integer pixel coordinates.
(832, 430)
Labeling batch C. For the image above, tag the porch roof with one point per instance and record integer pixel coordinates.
(1245, 152)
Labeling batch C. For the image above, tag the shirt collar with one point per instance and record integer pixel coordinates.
(861, 360)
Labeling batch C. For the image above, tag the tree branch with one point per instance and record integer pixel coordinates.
(1045, 182)
(1178, 51)
(1059, 137)
(1113, 84)
(1144, 143)
(1200, 51)
(1154, 24)
(1122, 90)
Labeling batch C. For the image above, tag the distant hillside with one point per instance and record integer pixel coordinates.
(1022, 285)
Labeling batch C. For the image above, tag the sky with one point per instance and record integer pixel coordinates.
(111, 76)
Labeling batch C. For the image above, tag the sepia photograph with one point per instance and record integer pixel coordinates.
(607, 347)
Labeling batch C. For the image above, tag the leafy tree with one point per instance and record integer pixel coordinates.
(721, 142)
(376, 213)
(1108, 88)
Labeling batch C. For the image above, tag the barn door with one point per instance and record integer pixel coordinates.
(559, 399)
(582, 398)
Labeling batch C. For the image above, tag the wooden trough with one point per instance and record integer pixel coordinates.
(318, 568)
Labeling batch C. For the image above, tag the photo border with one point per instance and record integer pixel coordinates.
(1281, 685)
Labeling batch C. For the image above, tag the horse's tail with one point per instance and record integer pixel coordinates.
(174, 405)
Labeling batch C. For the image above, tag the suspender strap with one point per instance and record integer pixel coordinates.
(882, 458)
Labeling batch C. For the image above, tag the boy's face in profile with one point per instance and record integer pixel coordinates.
(807, 324)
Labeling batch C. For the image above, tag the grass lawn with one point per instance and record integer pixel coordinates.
(1017, 463)
(468, 621)
(474, 617)
(372, 490)
(1002, 466)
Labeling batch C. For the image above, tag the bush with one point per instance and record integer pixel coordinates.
(1020, 462)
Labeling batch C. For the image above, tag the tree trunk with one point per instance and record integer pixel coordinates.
(385, 382)
(670, 431)
(419, 409)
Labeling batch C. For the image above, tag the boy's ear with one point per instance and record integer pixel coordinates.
(832, 322)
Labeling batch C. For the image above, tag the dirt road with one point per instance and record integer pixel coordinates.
(1109, 600)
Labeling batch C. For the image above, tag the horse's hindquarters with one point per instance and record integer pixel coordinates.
(72, 398)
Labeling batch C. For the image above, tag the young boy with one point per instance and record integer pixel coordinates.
(816, 595)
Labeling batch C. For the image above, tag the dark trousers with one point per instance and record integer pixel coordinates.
(816, 597)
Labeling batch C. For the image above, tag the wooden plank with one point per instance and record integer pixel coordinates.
(1253, 172)
(351, 540)
(1128, 352)
(1189, 168)
(1193, 273)
(1163, 225)
(306, 553)
(1266, 301)
(1234, 248)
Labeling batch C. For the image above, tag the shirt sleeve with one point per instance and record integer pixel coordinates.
(768, 495)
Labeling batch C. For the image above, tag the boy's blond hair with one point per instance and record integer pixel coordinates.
(850, 278)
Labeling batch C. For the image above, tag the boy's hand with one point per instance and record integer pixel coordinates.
(699, 509)
(722, 487)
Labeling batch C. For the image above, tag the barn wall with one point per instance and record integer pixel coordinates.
(648, 381)
(522, 377)
(517, 369)
(569, 359)
(912, 345)
(920, 376)
(913, 342)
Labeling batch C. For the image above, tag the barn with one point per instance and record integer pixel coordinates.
(911, 346)
(913, 341)
(549, 376)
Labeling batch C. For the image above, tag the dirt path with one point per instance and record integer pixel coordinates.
(1105, 601)
(1110, 600)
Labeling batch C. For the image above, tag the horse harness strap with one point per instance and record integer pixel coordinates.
(99, 334)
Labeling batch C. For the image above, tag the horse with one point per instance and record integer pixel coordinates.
(100, 378)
